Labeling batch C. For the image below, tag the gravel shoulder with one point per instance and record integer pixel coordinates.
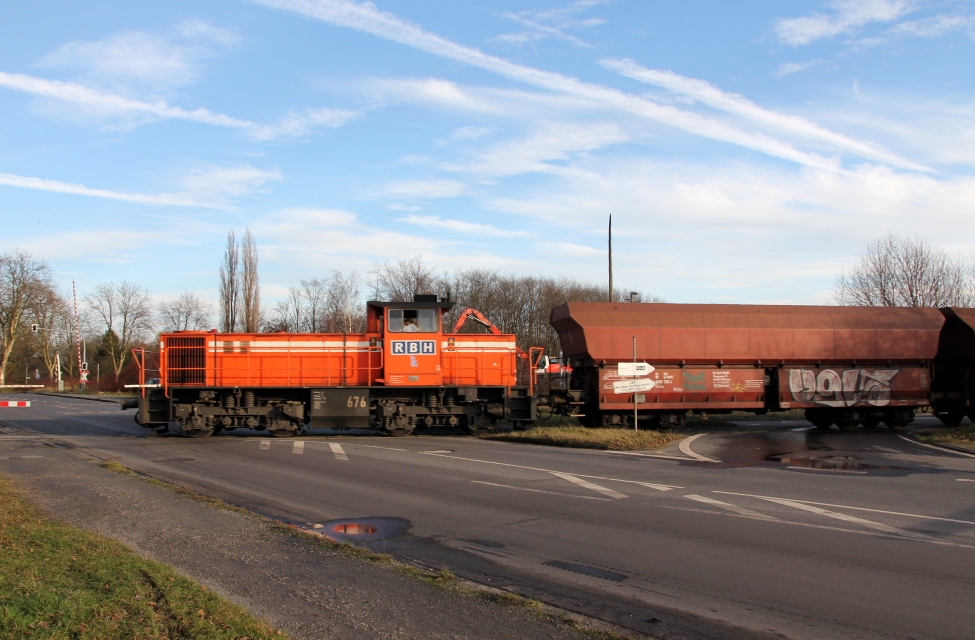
(291, 581)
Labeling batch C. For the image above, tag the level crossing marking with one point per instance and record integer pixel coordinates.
(338, 451)
(843, 506)
(265, 444)
(14, 403)
(299, 447)
(742, 511)
(616, 495)
(551, 493)
(659, 487)
(685, 448)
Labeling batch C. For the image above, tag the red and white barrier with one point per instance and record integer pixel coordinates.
(14, 403)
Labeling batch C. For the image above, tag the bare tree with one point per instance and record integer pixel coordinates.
(125, 312)
(230, 295)
(250, 285)
(315, 294)
(187, 312)
(405, 279)
(24, 281)
(343, 310)
(905, 272)
(52, 311)
(289, 314)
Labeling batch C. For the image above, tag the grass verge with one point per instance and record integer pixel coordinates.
(964, 436)
(57, 581)
(581, 437)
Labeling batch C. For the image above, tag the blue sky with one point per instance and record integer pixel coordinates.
(747, 153)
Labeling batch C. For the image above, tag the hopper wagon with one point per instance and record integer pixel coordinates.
(841, 365)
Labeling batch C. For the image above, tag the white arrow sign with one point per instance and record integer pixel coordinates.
(633, 386)
(634, 369)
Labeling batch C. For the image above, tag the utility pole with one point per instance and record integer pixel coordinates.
(612, 297)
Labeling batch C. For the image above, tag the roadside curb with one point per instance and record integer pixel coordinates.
(115, 400)
(949, 447)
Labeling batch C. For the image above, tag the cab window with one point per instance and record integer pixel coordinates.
(412, 320)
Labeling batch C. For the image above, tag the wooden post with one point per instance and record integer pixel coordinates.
(612, 297)
(635, 394)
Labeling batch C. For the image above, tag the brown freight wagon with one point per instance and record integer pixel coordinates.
(843, 365)
(954, 384)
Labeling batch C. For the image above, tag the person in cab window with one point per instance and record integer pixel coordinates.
(409, 326)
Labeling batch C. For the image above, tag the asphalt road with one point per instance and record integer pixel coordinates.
(760, 529)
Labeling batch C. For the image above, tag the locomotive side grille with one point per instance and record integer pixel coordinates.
(186, 360)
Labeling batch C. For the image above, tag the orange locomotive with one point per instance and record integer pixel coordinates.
(404, 372)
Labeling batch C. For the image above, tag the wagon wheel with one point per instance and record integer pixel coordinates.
(898, 421)
(847, 421)
(819, 418)
(872, 421)
(952, 418)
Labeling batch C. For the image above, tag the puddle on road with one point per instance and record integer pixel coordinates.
(361, 530)
(814, 449)
(837, 463)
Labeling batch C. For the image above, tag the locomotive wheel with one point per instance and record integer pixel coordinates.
(284, 433)
(198, 433)
(399, 432)
(399, 427)
(479, 426)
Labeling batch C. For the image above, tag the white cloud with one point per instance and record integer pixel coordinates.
(102, 104)
(737, 104)
(469, 133)
(137, 57)
(214, 187)
(303, 123)
(332, 238)
(788, 68)
(462, 227)
(847, 16)
(937, 26)
(413, 190)
(552, 142)
(221, 185)
(367, 18)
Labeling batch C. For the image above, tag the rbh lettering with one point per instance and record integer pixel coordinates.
(414, 347)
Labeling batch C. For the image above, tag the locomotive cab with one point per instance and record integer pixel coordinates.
(412, 335)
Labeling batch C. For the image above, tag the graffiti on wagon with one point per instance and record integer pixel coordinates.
(842, 388)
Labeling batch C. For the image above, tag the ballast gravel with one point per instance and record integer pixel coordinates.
(295, 584)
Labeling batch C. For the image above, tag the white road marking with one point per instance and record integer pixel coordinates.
(552, 493)
(742, 511)
(870, 524)
(685, 448)
(649, 455)
(374, 446)
(299, 447)
(265, 444)
(964, 480)
(937, 448)
(519, 466)
(829, 470)
(843, 506)
(338, 451)
(658, 487)
(802, 429)
(616, 495)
